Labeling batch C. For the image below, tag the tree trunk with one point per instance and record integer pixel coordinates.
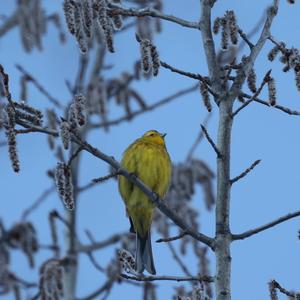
(223, 235)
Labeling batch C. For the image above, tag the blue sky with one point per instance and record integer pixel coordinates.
(259, 132)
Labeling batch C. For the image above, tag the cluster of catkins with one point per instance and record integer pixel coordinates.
(251, 82)
(25, 114)
(32, 22)
(289, 57)
(76, 119)
(149, 56)
(87, 18)
(22, 236)
(228, 27)
(51, 279)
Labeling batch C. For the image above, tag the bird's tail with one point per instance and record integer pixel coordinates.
(144, 257)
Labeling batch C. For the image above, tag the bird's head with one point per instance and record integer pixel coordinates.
(155, 137)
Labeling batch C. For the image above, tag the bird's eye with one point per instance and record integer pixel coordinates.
(152, 134)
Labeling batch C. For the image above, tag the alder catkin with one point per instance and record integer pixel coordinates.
(68, 9)
(251, 81)
(272, 91)
(216, 26)
(64, 133)
(80, 109)
(233, 29)
(11, 138)
(205, 96)
(155, 60)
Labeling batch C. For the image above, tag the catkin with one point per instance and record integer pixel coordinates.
(80, 109)
(145, 55)
(11, 138)
(64, 134)
(272, 91)
(233, 30)
(87, 17)
(205, 96)
(79, 31)
(106, 25)
(251, 81)
(216, 26)
(69, 16)
(224, 34)
(155, 60)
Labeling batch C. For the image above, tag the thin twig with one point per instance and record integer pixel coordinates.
(169, 278)
(251, 232)
(37, 203)
(74, 155)
(170, 239)
(245, 38)
(147, 108)
(104, 178)
(100, 245)
(219, 154)
(43, 91)
(198, 139)
(243, 174)
(277, 106)
(179, 260)
(106, 286)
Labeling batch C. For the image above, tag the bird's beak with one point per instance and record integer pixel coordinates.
(163, 135)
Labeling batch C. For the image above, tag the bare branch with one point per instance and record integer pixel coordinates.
(42, 90)
(99, 245)
(170, 239)
(198, 139)
(104, 178)
(147, 108)
(248, 170)
(106, 286)
(277, 106)
(170, 278)
(132, 12)
(265, 34)
(251, 232)
(245, 38)
(219, 154)
(37, 203)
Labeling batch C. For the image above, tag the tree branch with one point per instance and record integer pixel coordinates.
(219, 154)
(277, 106)
(248, 170)
(171, 278)
(251, 232)
(99, 245)
(171, 239)
(240, 79)
(132, 12)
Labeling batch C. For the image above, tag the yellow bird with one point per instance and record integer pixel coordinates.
(148, 159)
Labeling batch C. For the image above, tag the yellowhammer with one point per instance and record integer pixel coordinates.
(147, 158)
